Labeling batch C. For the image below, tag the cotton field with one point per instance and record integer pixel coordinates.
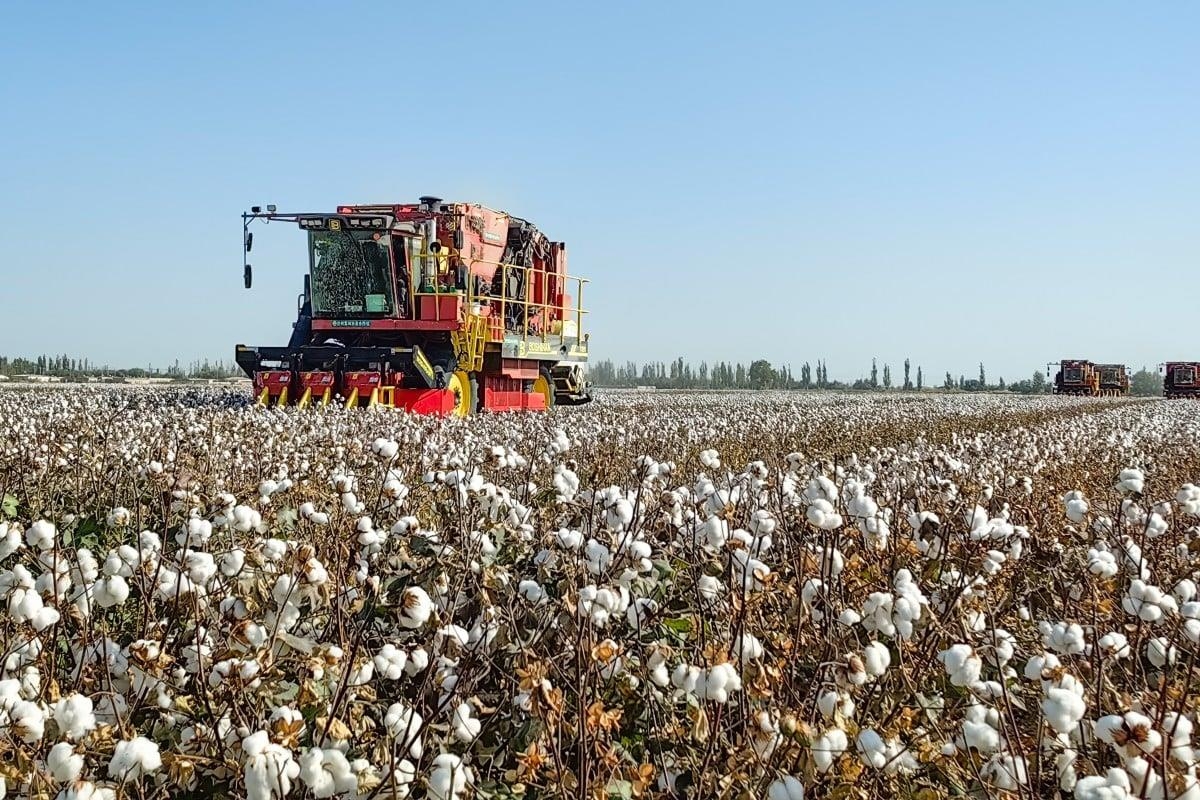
(749, 596)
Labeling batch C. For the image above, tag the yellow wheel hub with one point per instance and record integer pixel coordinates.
(543, 387)
(460, 384)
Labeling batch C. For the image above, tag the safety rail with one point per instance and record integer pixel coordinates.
(433, 266)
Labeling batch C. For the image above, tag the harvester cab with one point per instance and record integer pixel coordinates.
(431, 307)
(1181, 379)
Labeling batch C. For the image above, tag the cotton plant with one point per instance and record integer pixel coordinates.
(344, 604)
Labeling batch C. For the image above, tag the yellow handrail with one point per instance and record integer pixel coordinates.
(471, 297)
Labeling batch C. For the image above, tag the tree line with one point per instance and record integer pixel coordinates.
(761, 374)
(66, 366)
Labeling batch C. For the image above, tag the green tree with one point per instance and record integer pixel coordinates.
(1038, 385)
(762, 375)
(1145, 383)
(887, 376)
(920, 379)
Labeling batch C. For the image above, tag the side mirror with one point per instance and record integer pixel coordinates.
(459, 239)
(249, 241)
(247, 275)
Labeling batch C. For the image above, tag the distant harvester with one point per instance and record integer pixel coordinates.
(1082, 377)
(1076, 376)
(1180, 379)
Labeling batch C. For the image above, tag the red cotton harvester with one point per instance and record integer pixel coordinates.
(1076, 376)
(1114, 380)
(1181, 379)
(431, 307)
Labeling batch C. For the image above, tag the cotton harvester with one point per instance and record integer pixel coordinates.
(432, 307)
(1076, 376)
(1114, 379)
(1180, 379)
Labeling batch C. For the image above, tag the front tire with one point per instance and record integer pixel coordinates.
(544, 385)
(466, 393)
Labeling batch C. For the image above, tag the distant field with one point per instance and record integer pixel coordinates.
(659, 594)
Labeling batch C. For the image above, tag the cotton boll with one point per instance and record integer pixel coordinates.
(721, 681)
(1063, 709)
(876, 659)
(1184, 591)
(1000, 649)
(326, 773)
(27, 721)
(1130, 735)
(74, 716)
(404, 724)
(1114, 645)
(822, 515)
(1148, 602)
(41, 535)
(246, 519)
(10, 540)
(1113, 785)
(1006, 772)
(962, 665)
(871, 749)
(1062, 637)
(981, 728)
(710, 588)
(1102, 563)
(532, 592)
(1036, 666)
(269, 769)
(1160, 652)
(134, 759)
(464, 725)
(415, 607)
(786, 788)
(828, 747)
(1131, 481)
(686, 679)
(63, 763)
(1178, 729)
(1076, 507)
(747, 647)
(449, 778)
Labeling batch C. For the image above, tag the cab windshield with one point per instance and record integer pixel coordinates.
(351, 272)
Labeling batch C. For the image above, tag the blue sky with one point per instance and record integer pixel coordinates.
(953, 182)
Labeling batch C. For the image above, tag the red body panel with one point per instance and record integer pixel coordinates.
(521, 369)
(363, 381)
(507, 394)
(425, 401)
(274, 381)
(440, 308)
(318, 381)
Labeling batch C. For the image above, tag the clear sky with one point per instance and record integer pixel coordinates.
(955, 182)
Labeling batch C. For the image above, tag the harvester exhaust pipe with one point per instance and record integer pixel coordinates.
(429, 205)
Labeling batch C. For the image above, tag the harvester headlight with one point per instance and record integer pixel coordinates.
(377, 223)
(312, 223)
